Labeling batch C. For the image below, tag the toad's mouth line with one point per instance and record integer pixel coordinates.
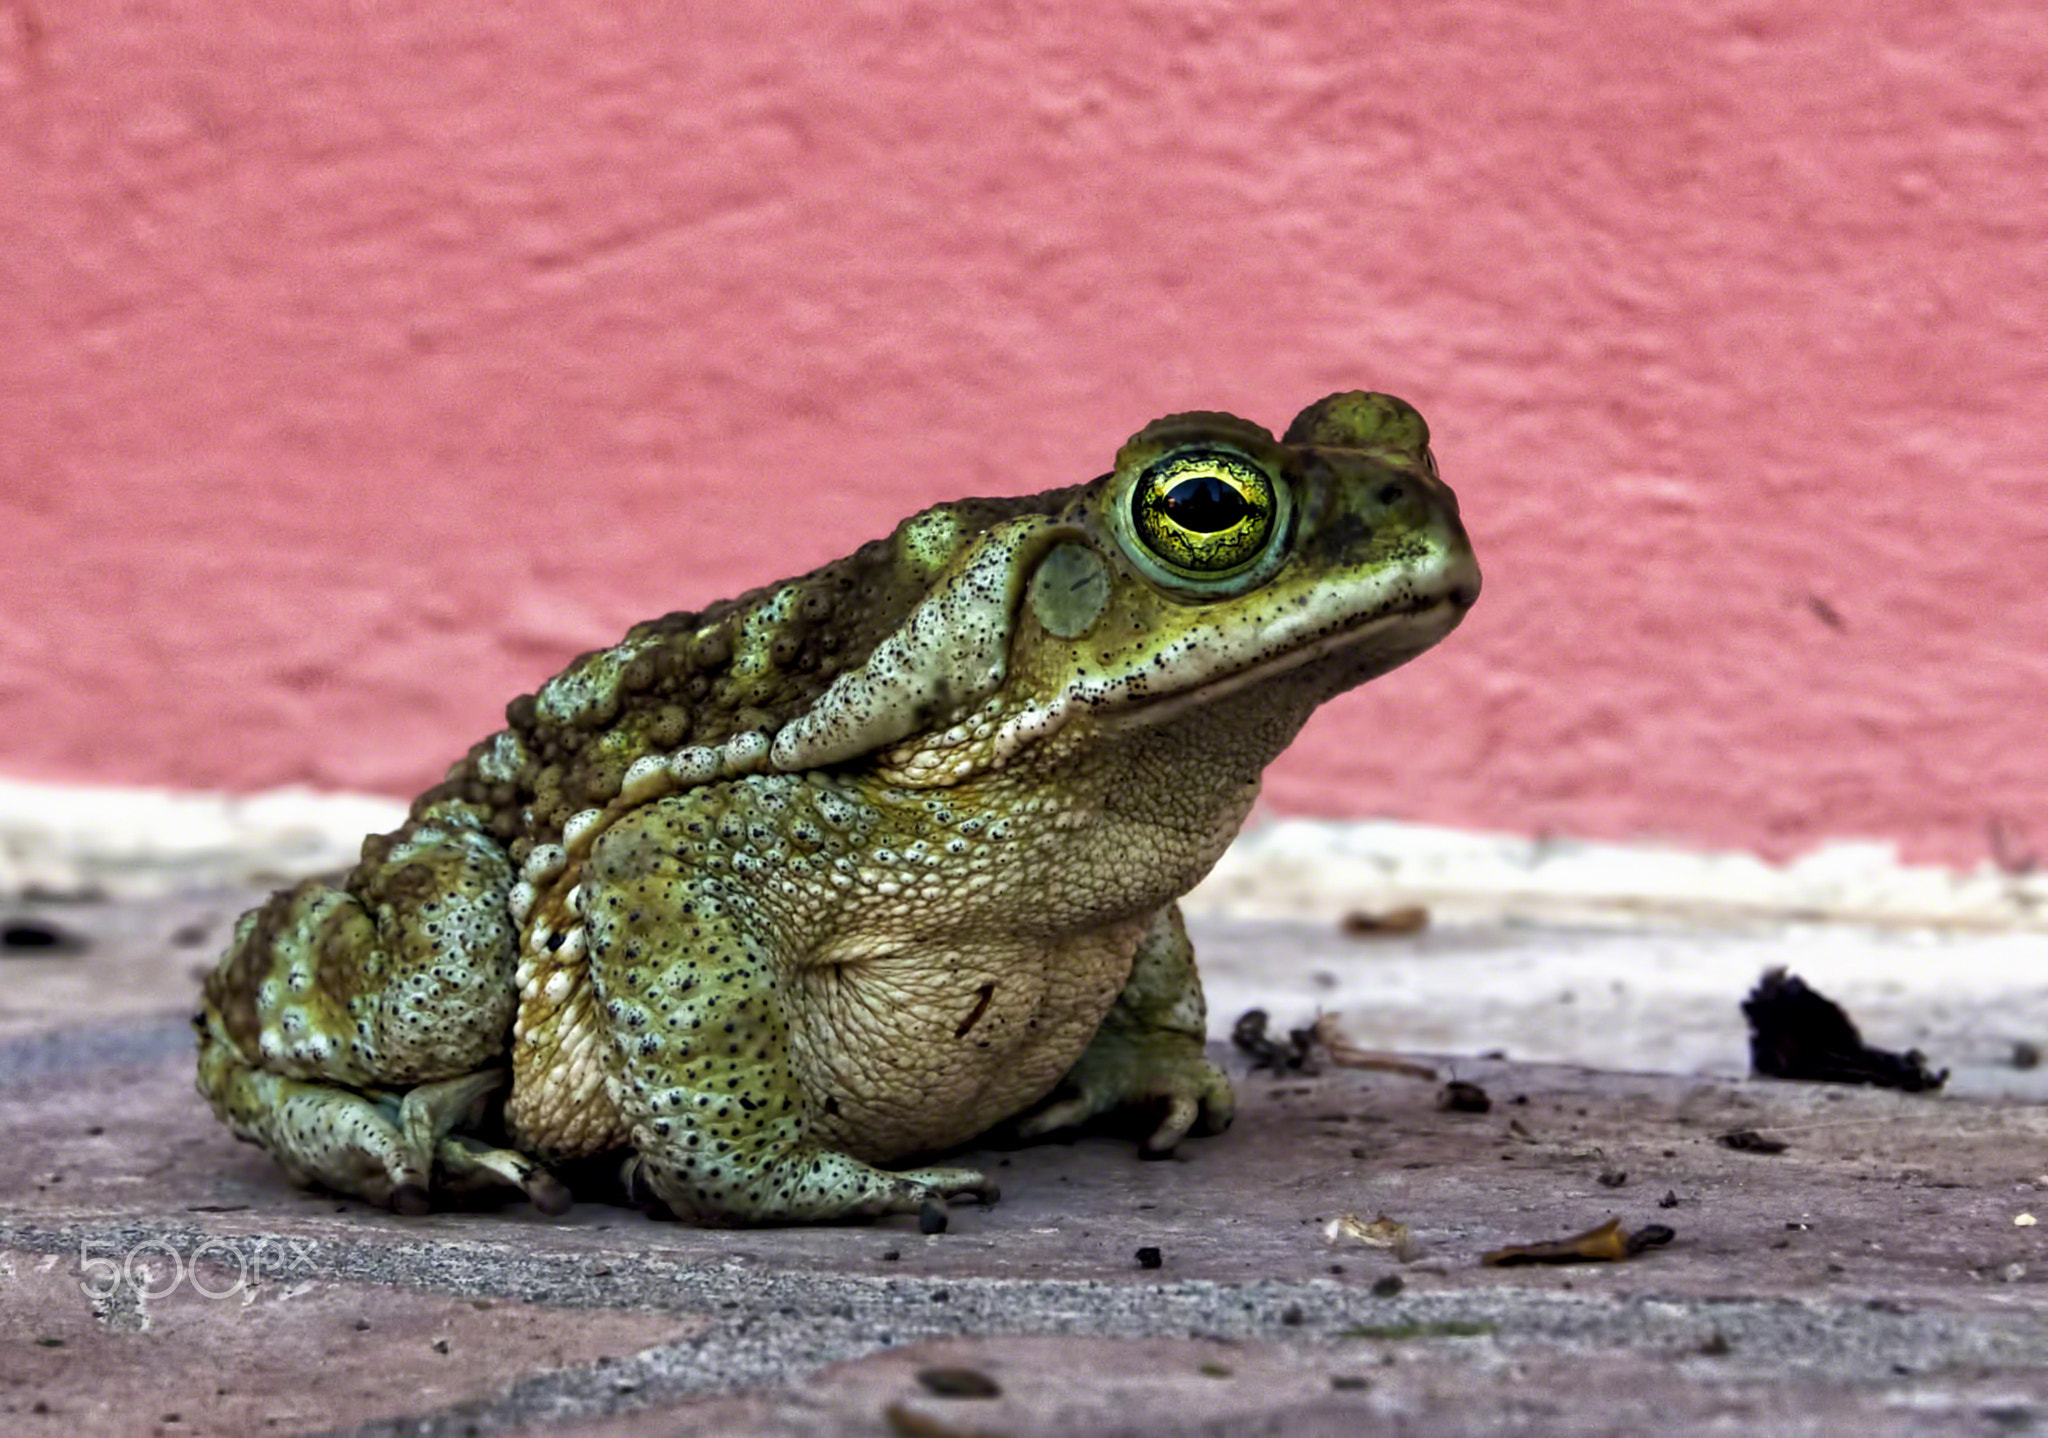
(1418, 625)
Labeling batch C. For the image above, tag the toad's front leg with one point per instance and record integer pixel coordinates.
(685, 966)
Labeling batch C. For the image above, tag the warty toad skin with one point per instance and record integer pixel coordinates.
(856, 866)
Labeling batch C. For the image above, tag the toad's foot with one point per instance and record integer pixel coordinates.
(1124, 1070)
(835, 1188)
(398, 1150)
(1148, 1051)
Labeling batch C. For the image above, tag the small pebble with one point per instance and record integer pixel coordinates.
(1149, 1257)
(958, 1383)
(1748, 1140)
(1459, 1096)
(39, 936)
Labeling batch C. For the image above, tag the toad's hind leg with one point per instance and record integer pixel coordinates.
(686, 968)
(359, 1033)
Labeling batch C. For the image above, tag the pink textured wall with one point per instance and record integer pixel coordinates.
(359, 363)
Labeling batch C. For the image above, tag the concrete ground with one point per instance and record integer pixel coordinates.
(1882, 1274)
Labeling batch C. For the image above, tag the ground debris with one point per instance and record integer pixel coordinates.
(1249, 1037)
(1458, 1096)
(1398, 1332)
(958, 1383)
(1347, 1055)
(1381, 1232)
(1748, 1140)
(908, 1422)
(1797, 1033)
(1380, 923)
(39, 937)
(1609, 1243)
(1298, 1053)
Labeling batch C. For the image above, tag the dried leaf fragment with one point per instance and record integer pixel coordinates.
(1609, 1243)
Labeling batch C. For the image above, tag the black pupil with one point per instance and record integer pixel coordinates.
(1205, 505)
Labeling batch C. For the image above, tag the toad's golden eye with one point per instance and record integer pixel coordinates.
(1204, 512)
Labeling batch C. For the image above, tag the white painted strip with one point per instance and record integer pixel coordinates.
(63, 840)
(1322, 870)
(71, 841)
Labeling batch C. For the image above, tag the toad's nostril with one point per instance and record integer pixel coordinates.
(1390, 494)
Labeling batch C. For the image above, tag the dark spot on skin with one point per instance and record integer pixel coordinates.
(982, 996)
(1340, 535)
